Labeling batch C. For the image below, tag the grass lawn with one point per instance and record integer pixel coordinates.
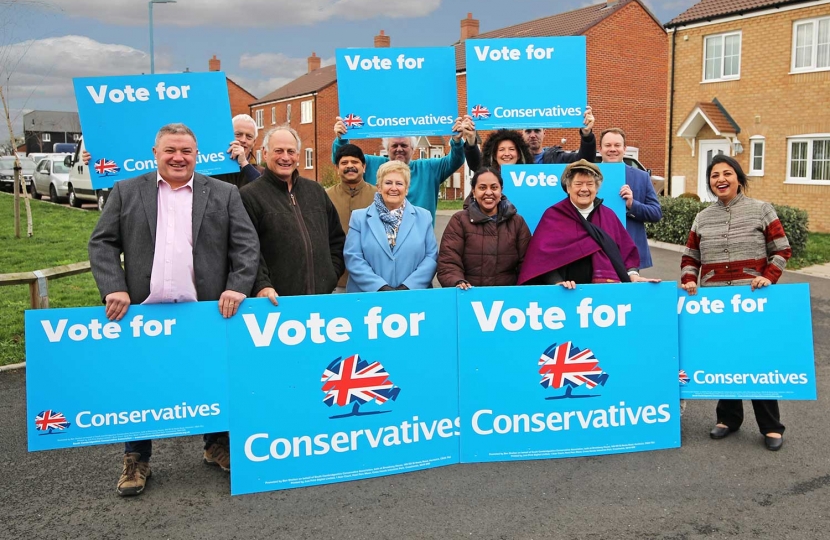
(450, 205)
(60, 237)
(818, 252)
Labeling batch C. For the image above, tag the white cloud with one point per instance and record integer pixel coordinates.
(277, 68)
(41, 71)
(244, 13)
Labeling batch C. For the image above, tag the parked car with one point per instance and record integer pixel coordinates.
(52, 177)
(658, 182)
(7, 171)
(79, 188)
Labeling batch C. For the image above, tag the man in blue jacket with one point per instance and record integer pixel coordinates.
(641, 202)
(427, 174)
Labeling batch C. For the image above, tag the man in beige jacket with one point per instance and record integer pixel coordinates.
(351, 193)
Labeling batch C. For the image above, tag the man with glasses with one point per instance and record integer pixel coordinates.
(301, 239)
(427, 174)
(535, 137)
(242, 151)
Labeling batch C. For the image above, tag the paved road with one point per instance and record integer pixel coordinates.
(707, 489)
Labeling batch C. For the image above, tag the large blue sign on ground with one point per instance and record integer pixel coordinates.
(159, 372)
(396, 92)
(548, 372)
(520, 83)
(120, 117)
(342, 387)
(744, 344)
(535, 188)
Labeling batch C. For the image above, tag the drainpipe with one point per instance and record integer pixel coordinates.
(671, 113)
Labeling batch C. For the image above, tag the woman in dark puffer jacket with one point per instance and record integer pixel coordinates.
(484, 244)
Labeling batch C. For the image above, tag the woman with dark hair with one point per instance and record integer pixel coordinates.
(484, 244)
(579, 240)
(502, 147)
(736, 241)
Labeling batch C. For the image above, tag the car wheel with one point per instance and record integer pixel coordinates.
(53, 194)
(101, 198)
(33, 191)
(74, 201)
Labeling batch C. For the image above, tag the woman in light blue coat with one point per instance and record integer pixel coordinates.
(391, 244)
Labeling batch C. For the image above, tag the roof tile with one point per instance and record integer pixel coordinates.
(706, 10)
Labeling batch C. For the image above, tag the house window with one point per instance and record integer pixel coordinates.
(811, 44)
(809, 159)
(76, 137)
(306, 112)
(259, 157)
(258, 118)
(309, 158)
(288, 113)
(47, 137)
(756, 155)
(722, 57)
(273, 115)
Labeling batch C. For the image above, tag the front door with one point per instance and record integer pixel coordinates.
(708, 150)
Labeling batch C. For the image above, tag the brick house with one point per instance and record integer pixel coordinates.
(627, 74)
(751, 79)
(239, 97)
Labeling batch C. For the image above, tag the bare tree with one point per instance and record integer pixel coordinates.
(19, 183)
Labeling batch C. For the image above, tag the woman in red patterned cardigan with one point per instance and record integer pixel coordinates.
(736, 241)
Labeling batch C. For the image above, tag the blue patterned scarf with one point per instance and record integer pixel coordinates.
(391, 219)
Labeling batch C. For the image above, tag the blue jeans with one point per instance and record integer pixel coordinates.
(145, 448)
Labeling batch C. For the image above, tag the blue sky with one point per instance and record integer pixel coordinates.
(262, 43)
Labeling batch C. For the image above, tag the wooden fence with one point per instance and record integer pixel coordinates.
(38, 281)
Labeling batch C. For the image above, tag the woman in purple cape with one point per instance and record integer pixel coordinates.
(579, 240)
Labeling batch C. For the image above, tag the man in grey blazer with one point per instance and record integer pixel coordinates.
(184, 237)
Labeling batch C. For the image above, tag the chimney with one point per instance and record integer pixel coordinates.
(382, 40)
(213, 64)
(469, 27)
(313, 62)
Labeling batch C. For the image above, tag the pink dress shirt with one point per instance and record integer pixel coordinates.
(172, 278)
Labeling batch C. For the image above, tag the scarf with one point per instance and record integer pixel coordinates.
(391, 219)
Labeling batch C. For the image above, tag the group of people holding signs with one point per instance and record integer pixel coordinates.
(187, 237)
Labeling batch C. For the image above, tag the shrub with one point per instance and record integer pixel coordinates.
(794, 221)
(679, 214)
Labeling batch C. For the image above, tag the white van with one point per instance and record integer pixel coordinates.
(79, 188)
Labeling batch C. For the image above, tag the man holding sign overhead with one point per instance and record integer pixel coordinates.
(534, 137)
(427, 174)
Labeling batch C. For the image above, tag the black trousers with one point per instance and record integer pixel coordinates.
(145, 448)
(730, 413)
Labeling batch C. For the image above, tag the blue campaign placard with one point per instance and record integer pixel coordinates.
(547, 372)
(517, 83)
(397, 92)
(159, 372)
(535, 188)
(120, 117)
(340, 387)
(736, 343)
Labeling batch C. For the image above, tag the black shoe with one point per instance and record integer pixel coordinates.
(773, 443)
(719, 432)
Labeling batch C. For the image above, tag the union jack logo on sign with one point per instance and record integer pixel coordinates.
(355, 381)
(106, 167)
(684, 379)
(565, 366)
(353, 121)
(49, 420)
(480, 112)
